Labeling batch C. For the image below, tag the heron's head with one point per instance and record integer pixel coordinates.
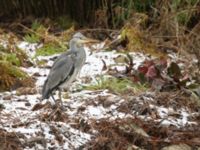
(79, 39)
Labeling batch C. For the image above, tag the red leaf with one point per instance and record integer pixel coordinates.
(151, 73)
(148, 63)
(143, 69)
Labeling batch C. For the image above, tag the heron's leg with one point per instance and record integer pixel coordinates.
(60, 97)
(53, 98)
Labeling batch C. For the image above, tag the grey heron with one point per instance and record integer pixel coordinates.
(66, 67)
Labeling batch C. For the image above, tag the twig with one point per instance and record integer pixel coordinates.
(23, 26)
(100, 29)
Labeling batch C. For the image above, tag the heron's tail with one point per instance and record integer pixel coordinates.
(45, 92)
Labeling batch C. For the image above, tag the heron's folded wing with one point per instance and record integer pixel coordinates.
(60, 71)
(63, 55)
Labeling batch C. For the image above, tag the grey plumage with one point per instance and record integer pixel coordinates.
(57, 76)
(66, 67)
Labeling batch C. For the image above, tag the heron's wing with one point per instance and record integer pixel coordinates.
(60, 71)
(63, 55)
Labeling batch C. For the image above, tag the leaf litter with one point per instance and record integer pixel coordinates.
(100, 119)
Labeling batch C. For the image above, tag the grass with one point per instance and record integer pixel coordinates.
(41, 62)
(64, 22)
(10, 75)
(49, 49)
(32, 38)
(15, 57)
(11, 58)
(117, 86)
(184, 11)
(52, 44)
(36, 25)
(12, 70)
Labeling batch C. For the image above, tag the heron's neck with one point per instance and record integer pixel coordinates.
(81, 52)
(77, 50)
(73, 48)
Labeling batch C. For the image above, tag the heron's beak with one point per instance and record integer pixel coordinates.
(88, 40)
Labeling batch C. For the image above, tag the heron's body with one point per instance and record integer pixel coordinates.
(78, 63)
(65, 68)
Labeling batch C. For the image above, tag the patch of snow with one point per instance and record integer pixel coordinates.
(184, 118)
(33, 70)
(94, 63)
(138, 58)
(29, 48)
(163, 112)
(48, 58)
(95, 111)
(98, 46)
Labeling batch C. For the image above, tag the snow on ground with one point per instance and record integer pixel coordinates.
(18, 115)
(29, 48)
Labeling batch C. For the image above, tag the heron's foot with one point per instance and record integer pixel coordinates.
(53, 107)
(62, 107)
(59, 104)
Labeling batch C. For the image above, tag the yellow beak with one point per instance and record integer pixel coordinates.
(88, 40)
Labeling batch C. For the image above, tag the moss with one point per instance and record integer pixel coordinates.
(118, 86)
(49, 49)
